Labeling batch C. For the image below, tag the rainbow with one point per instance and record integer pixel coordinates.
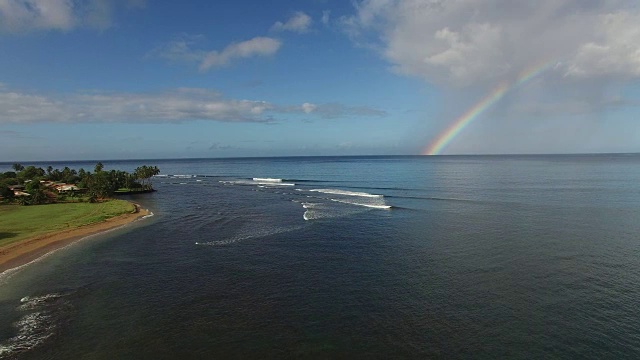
(445, 137)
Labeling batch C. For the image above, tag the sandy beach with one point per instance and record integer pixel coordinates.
(22, 252)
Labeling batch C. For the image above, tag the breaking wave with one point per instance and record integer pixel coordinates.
(33, 302)
(324, 207)
(270, 180)
(321, 210)
(33, 329)
(346, 193)
(254, 182)
(369, 205)
(317, 211)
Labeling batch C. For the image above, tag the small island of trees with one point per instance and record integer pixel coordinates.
(34, 185)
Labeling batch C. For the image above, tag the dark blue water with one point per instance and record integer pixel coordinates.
(382, 257)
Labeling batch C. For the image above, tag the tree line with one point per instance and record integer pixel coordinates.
(94, 186)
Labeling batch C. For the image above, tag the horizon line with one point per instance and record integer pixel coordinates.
(318, 156)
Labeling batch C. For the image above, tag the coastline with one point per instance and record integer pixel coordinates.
(23, 252)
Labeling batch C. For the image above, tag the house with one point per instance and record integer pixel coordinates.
(66, 188)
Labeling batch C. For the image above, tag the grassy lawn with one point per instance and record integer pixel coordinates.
(22, 222)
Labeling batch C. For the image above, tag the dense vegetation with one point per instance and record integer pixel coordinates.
(39, 183)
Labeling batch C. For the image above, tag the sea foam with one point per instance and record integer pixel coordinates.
(255, 182)
(267, 180)
(253, 233)
(33, 329)
(369, 205)
(346, 193)
(326, 207)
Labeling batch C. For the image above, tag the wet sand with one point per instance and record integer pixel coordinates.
(22, 252)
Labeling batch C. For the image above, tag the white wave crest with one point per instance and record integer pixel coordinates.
(369, 205)
(316, 211)
(253, 182)
(309, 205)
(32, 302)
(267, 180)
(346, 193)
(276, 184)
(310, 213)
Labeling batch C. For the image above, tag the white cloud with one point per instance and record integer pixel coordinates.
(615, 51)
(258, 46)
(336, 110)
(326, 15)
(184, 48)
(469, 42)
(184, 104)
(19, 16)
(308, 108)
(24, 15)
(173, 106)
(299, 22)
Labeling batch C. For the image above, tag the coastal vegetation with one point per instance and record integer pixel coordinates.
(69, 203)
(34, 185)
(18, 223)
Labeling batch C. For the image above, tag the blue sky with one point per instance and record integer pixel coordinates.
(120, 79)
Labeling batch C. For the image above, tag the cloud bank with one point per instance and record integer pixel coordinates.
(467, 42)
(185, 104)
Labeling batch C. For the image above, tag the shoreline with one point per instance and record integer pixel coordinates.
(23, 252)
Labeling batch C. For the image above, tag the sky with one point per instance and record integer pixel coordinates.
(135, 79)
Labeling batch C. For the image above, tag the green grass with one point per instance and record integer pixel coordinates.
(22, 222)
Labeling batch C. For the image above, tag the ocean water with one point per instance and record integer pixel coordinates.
(482, 257)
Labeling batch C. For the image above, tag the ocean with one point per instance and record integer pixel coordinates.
(480, 257)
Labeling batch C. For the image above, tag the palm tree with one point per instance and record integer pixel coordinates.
(144, 173)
